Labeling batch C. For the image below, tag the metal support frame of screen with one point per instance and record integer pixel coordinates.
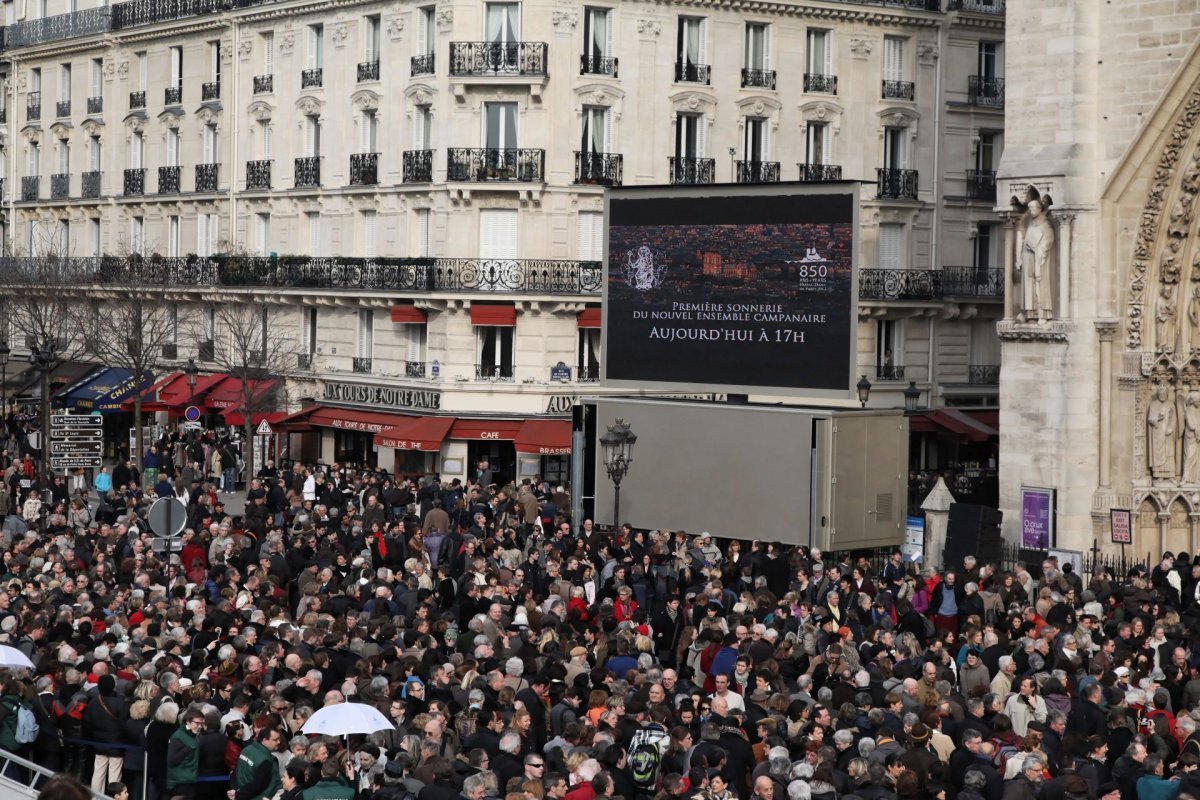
(699, 194)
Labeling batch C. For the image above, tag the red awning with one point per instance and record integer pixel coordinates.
(418, 433)
(486, 429)
(990, 417)
(172, 393)
(229, 393)
(545, 437)
(344, 418)
(589, 318)
(954, 421)
(502, 314)
(409, 314)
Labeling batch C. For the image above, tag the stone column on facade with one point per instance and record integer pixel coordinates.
(937, 516)
(1194, 528)
(1062, 308)
(1164, 526)
(1106, 329)
(1010, 249)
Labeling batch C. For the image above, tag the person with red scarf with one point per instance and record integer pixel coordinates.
(626, 606)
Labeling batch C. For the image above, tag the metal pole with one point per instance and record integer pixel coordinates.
(46, 419)
(617, 503)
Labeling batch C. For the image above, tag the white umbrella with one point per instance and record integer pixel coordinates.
(344, 719)
(12, 658)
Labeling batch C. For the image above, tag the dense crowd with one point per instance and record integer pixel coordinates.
(519, 654)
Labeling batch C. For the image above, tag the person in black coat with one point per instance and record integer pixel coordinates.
(532, 698)
(739, 754)
(212, 760)
(103, 723)
(668, 626)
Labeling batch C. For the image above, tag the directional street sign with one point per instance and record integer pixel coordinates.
(74, 435)
(68, 462)
(76, 440)
(76, 421)
(75, 448)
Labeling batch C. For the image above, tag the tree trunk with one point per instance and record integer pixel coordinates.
(138, 444)
(248, 422)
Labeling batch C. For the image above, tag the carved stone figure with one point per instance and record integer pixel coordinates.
(1194, 317)
(1181, 215)
(1037, 264)
(1191, 437)
(1160, 434)
(1164, 319)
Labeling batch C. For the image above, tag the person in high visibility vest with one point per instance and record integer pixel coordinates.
(256, 776)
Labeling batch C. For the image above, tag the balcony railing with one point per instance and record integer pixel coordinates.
(308, 171)
(30, 187)
(168, 180)
(599, 169)
(58, 27)
(135, 182)
(756, 171)
(312, 78)
(361, 365)
(983, 374)
(688, 72)
(147, 12)
(985, 92)
(33, 105)
(899, 284)
(173, 95)
(304, 360)
(587, 373)
(258, 174)
(978, 6)
(264, 84)
(389, 275)
(368, 71)
(137, 99)
(758, 78)
(364, 169)
(90, 184)
(690, 171)
(494, 373)
(210, 91)
(60, 186)
(422, 64)
(414, 369)
(822, 84)
(498, 58)
(597, 65)
(206, 177)
(899, 90)
(418, 166)
(981, 184)
(524, 165)
(62, 108)
(95, 105)
(812, 173)
(981, 283)
(889, 372)
(897, 184)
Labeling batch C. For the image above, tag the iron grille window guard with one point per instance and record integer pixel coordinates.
(489, 164)
(899, 284)
(264, 84)
(897, 184)
(90, 184)
(587, 373)
(33, 105)
(687, 72)
(598, 65)
(899, 90)
(985, 92)
(422, 64)
(758, 78)
(364, 169)
(210, 91)
(975, 282)
(688, 170)
(168, 180)
(311, 78)
(414, 369)
(30, 187)
(981, 184)
(418, 166)
(757, 171)
(498, 58)
(95, 105)
(361, 365)
(137, 99)
(135, 181)
(889, 372)
(818, 83)
(368, 71)
(308, 171)
(258, 174)
(983, 374)
(173, 95)
(60, 186)
(304, 361)
(62, 108)
(820, 172)
(494, 373)
(206, 177)
(598, 169)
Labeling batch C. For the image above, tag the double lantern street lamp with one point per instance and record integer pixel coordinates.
(912, 395)
(618, 444)
(44, 358)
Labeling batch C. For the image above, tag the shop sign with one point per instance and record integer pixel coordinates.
(382, 396)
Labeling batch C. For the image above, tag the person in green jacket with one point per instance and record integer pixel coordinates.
(183, 756)
(332, 785)
(256, 776)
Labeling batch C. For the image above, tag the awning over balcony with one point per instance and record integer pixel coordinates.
(408, 314)
(952, 420)
(494, 314)
(589, 317)
(416, 433)
(545, 437)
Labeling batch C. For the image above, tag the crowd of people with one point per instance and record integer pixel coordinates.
(519, 654)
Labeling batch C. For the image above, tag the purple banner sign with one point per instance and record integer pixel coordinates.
(1037, 518)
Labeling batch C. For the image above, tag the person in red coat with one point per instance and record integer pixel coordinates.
(626, 606)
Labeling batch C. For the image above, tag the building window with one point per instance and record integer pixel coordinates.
(209, 143)
(819, 55)
(309, 332)
(64, 157)
(316, 46)
(371, 39)
(986, 153)
(691, 47)
(889, 349)
(35, 159)
(412, 339)
(818, 143)
(689, 136)
(176, 67)
(312, 137)
(890, 237)
(264, 139)
(366, 332)
(173, 236)
(503, 23)
(97, 77)
(597, 130)
(424, 232)
(893, 58)
(589, 236)
(64, 82)
(94, 246)
(214, 62)
(423, 127)
(494, 347)
(143, 67)
(206, 234)
(268, 62)
(137, 150)
(314, 233)
(758, 48)
(991, 60)
(137, 234)
(895, 148)
(982, 250)
(498, 233)
(597, 40)
(262, 234)
(62, 237)
(587, 357)
(426, 31)
(369, 132)
(172, 148)
(93, 148)
(500, 128)
(370, 220)
(755, 146)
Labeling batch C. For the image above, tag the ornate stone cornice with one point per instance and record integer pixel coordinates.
(1010, 331)
(1106, 329)
(841, 13)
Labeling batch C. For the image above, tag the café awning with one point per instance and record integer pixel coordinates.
(417, 433)
(230, 392)
(544, 437)
(951, 420)
(103, 391)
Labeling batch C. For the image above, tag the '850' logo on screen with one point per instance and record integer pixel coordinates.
(641, 271)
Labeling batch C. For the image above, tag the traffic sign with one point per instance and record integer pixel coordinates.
(75, 435)
(191, 414)
(71, 462)
(76, 440)
(167, 517)
(76, 421)
(264, 428)
(75, 448)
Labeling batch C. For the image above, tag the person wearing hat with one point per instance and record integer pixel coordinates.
(919, 758)
(578, 665)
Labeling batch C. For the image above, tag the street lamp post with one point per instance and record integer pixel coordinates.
(618, 444)
(191, 371)
(912, 396)
(864, 390)
(43, 357)
(5, 352)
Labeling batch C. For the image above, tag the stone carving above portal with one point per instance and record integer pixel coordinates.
(1167, 409)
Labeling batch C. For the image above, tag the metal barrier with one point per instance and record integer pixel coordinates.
(22, 778)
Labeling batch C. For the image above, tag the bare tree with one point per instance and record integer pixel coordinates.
(248, 344)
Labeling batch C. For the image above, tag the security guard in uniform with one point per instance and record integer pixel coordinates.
(257, 774)
(332, 786)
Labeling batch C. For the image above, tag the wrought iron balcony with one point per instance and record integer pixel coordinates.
(756, 171)
(587, 373)
(258, 174)
(418, 166)
(889, 372)
(206, 350)
(264, 84)
(494, 373)
(60, 186)
(493, 164)
(985, 92)
(983, 374)
(210, 91)
(422, 64)
(304, 360)
(136, 13)
(95, 105)
(364, 169)
(312, 78)
(599, 169)
(308, 171)
(135, 182)
(758, 78)
(814, 173)
(90, 184)
(899, 284)
(981, 184)
(687, 72)
(361, 365)
(368, 71)
(168, 180)
(689, 170)
(137, 99)
(62, 108)
(206, 177)
(30, 187)
(414, 369)
(33, 105)
(598, 65)
(821, 84)
(498, 59)
(173, 95)
(978, 6)
(58, 27)
(899, 90)
(897, 184)
(980, 283)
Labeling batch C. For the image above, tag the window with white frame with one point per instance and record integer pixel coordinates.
(422, 127)
(206, 234)
(176, 67)
(691, 48)
(987, 151)
(95, 249)
(314, 233)
(500, 126)
(985, 348)
(366, 333)
(137, 234)
(173, 247)
(64, 82)
(143, 69)
(597, 130)
(589, 236)
(895, 147)
(209, 323)
(412, 338)
(64, 157)
(173, 324)
(262, 233)
(755, 147)
(494, 351)
(308, 332)
(757, 55)
(891, 236)
(368, 129)
(34, 165)
(991, 60)
(502, 23)
(371, 38)
(214, 62)
(689, 136)
(818, 143)
(35, 79)
(598, 40)
(424, 232)
(889, 349)
(97, 78)
(893, 58)
(983, 256)
(587, 356)
(137, 150)
(208, 143)
(93, 150)
(426, 31)
(316, 46)
(31, 242)
(369, 228)
(312, 137)
(268, 50)
(264, 140)
(62, 237)
(172, 147)
(498, 233)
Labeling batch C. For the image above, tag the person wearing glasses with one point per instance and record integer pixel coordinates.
(183, 756)
(256, 775)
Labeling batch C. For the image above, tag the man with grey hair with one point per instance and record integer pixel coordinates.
(1002, 683)
(1027, 784)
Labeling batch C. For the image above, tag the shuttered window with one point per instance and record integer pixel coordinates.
(893, 58)
(589, 236)
(370, 219)
(424, 232)
(366, 332)
(890, 236)
(498, 233)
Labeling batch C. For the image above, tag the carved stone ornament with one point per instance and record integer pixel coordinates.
(927, 54)
(32, 135)
(366, 101)
(135, 124)
(861, 48)
(123, 70)
(395, 26)
(421, 97)
(109, 69)
(564, 20)
(61, 131)
(245, 48)
(649, 27)
(261, 112)
(207, 115)
(287, 42)
(226, 51)
(1009, 331)
(445, 19)
(93, 127)
(339, 34)
(170, 122)
(309, 106)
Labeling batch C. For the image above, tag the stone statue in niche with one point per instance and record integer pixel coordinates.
(1191, 175)
(1036, 262)
(1160, 434)
(1164, 319)
(1181, 215)
(1191, 437)
(1194, 317)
